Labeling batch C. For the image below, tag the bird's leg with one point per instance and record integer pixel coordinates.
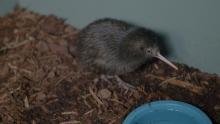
(106, 78)
(102, 77)
(123, 84)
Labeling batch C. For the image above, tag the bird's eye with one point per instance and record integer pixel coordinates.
(148, 50)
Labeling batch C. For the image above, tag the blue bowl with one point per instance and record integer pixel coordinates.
(167, 112)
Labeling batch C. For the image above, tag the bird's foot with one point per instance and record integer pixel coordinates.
(124, 84)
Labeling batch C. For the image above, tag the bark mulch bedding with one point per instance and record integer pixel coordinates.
(42, 83)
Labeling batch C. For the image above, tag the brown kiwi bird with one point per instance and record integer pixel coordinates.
(115, 47)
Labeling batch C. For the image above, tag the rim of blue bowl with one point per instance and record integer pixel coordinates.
(168, 104)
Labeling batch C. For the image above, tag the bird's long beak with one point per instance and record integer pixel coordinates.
(159, 56)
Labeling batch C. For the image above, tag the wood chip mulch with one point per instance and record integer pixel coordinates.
(42, 83)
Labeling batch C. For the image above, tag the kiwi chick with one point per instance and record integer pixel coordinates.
(115, 47)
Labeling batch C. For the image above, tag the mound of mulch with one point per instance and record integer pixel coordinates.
(42, 83)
